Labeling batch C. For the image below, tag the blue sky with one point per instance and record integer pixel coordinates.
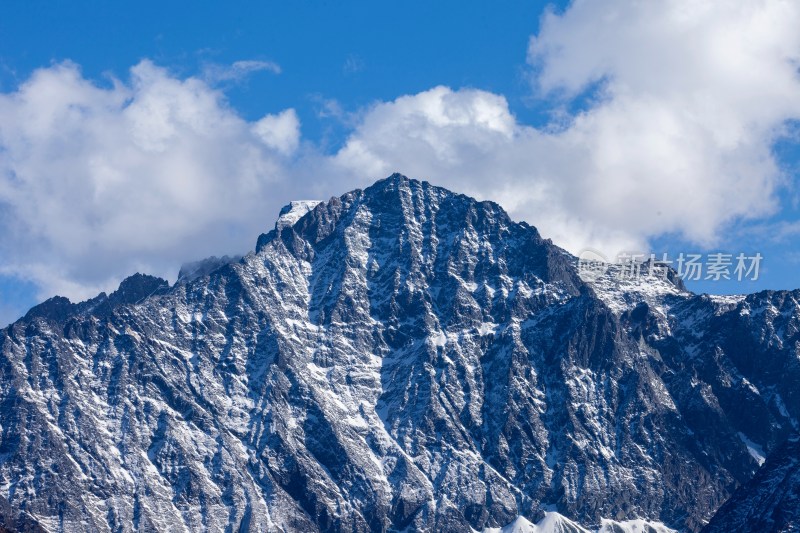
(611, 125)
(355, 52)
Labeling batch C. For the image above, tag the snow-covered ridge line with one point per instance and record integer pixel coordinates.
(294, 211)
(554, 522)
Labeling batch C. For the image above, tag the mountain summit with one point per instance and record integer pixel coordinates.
(398, 358)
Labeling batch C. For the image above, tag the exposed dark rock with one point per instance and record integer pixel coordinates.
(770, 502)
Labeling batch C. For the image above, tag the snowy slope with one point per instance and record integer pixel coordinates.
(554, 522)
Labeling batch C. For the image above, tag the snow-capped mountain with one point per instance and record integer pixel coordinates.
(398, 358)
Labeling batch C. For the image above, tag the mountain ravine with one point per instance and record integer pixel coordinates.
(400, 358)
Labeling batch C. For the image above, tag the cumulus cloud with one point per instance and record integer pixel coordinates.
(99, 182)
(281, 131)
(469, 141)
(683, 101)
(693, 95)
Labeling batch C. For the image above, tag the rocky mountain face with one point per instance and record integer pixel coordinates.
(399, 358)
(768, 502)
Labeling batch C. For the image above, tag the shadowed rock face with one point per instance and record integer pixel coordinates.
(399, 357)
(768, 502)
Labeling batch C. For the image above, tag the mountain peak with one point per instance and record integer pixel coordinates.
(394, 180)
(294, 211)
(197, 269)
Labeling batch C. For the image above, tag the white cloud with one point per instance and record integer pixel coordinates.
(281, 131)
(97, 183)
(689, 98)
(238, 71)
(469, 141)
(693, 95)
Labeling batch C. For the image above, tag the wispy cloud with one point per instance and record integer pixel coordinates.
(353, 64)
(237, 71)
(775, 232)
